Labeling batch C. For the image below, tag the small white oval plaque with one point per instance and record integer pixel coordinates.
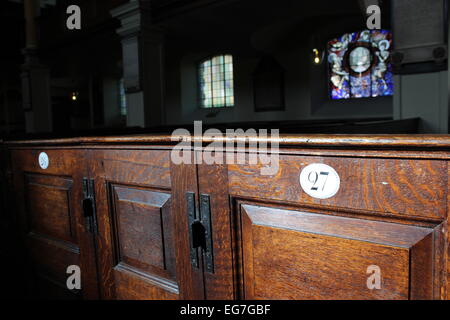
(320, 181)
(43, 160)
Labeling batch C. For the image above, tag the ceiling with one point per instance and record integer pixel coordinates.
(43, 3)
(261, 24)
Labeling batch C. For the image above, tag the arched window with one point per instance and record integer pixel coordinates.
(359, 65)
(216, 82)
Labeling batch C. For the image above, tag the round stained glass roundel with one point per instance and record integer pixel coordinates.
(360, 59)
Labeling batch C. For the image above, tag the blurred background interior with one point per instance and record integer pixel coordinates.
(150, 66)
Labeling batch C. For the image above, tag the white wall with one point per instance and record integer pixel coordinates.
(111, 110)
(306, 95)
(425, 96)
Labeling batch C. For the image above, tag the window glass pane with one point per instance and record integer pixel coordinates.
(359, 65)
(122, 98)
(216, 82)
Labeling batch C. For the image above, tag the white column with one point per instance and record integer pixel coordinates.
(35, 78)
(143, 52)
(421, 88)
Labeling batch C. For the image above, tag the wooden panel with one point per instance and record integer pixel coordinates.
(440, 257)
(133, 286)
(446, 289)
(151, 167)
(48, 202)
(422, 263)
(143, 241)
(52, 255)
(191, 279)
(143, 234)
(50, 258)
(213, 181)
(61, 162)
(414, 188)
(49, 208)
(48, 288)
(297, 255)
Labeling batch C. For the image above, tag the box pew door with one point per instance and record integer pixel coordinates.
(327, 227)
(143, 236)
(49, 194)
(287, 254)
(266, 246)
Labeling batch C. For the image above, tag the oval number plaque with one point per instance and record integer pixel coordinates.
(43, 160)
(320, 181)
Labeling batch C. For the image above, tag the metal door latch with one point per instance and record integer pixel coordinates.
(200, 231)
(88, 205)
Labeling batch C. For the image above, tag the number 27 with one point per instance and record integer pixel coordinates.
(318, 180)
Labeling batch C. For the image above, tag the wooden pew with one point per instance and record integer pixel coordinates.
(343, 217)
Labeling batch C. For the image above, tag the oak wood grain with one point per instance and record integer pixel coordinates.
(315, 140)
(133, 286)
(406, 187)
(57, 216)
(49, 206)
(270, 239)
(135, 221)
(184, 177)
(296, 255)
(219, 285)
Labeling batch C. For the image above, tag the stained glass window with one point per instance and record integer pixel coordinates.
(359, 65)
(216, 82)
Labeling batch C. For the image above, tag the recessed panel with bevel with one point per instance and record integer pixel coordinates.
(49, 207)
(140, 218)
(298, 255)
